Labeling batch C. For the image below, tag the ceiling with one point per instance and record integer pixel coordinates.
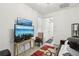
(45, 8)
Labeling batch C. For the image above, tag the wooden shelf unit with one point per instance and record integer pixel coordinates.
(18, 44)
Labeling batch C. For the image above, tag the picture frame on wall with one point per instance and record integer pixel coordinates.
(75, 30)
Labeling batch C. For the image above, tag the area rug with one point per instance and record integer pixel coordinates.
(43, 50)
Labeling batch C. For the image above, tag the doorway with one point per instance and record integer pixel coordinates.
(48, 29)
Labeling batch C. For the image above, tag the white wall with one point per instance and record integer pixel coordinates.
(8, 15)
(40, 24)
(62, 22)
(46, 29)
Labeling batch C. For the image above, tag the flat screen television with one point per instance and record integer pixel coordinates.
(25, 22)
(23, 32)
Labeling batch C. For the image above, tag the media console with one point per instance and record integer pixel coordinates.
(22, 43)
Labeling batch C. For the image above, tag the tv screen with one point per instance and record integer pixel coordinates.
(23, 32)
(25, 22)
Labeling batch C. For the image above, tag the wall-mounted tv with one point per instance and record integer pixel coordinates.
(22, 21)
(23, 32)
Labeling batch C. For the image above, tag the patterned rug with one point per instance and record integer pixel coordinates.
(46, 50)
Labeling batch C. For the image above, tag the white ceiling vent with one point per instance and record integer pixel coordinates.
(64, 5)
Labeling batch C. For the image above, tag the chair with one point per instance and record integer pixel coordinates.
(39, 39)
